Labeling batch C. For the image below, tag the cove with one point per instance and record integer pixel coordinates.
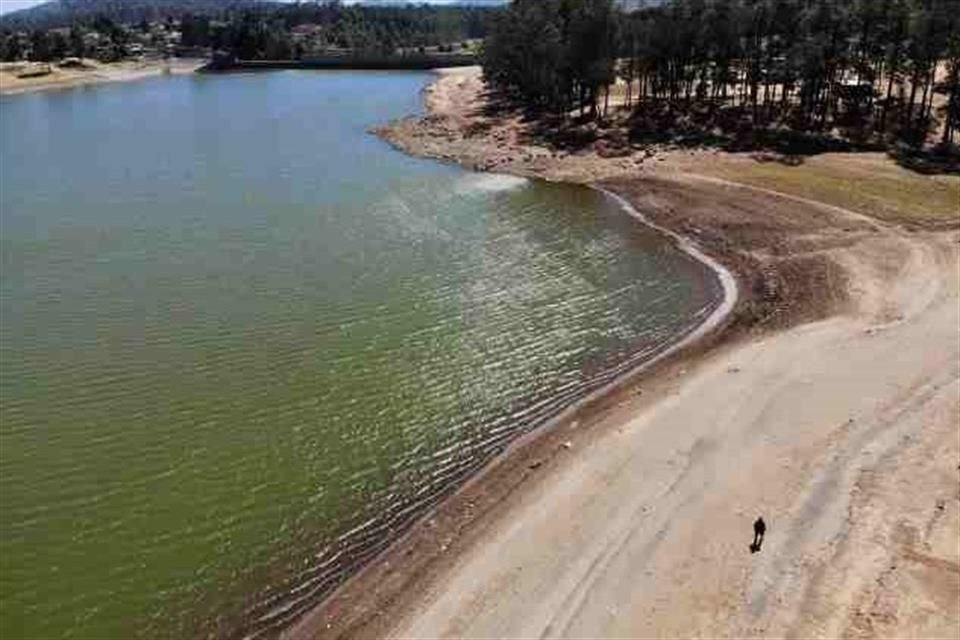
(244, 343)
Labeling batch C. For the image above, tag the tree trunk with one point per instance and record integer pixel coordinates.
(953, 102)
(908, 114)
(928, 109)
(886, 102)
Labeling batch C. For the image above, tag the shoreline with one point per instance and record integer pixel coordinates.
(97, 73)
(728, 282)
(685, 345)
(711, 330)
(795, 290)
(425, 62)
(531, 450)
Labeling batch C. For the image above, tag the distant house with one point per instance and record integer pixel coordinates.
(72, 63)
(158, 32)
(141, 38)
(308, 37)
(302, 31)
(91, 40)
(853, 90)
(23, 40)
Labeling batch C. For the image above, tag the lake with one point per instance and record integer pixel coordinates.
(244, 343)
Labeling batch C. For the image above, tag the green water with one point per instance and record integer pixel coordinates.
(243, 343)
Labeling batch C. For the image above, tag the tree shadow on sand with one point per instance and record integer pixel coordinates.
(788, 140)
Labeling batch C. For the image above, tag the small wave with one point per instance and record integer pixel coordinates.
(489, 183)
(410, 220)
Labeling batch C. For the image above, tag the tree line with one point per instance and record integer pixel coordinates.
(867, 69)
(255, 31)
(69, 13)
(269, 33)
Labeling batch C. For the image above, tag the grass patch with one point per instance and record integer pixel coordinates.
(867, 183)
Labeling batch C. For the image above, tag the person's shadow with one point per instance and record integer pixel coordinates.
(759, 530)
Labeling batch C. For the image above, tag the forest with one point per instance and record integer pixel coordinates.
(867, 72)
(285, 32)
(244, 29)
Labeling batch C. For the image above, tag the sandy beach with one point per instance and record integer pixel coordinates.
(92, 72)
(827, 401)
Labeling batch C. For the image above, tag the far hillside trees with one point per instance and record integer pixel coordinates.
(245, 29)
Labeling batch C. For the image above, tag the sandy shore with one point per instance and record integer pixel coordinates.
(92, 73)
(828, 402)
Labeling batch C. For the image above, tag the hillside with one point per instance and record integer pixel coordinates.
(60, 13)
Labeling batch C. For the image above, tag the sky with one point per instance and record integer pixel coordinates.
(7, 6)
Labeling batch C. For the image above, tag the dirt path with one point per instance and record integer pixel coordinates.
(843, 433)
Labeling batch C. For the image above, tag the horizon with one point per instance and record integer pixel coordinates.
(9, 6)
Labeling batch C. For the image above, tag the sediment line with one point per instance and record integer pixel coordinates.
(309, 623)
(728, 282)
(313, 623)
(783, 278)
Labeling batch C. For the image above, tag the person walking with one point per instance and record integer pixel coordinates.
(759, 530)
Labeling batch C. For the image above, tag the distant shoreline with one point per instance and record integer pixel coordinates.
(358, 63)
(128, 71)
(93, 73)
